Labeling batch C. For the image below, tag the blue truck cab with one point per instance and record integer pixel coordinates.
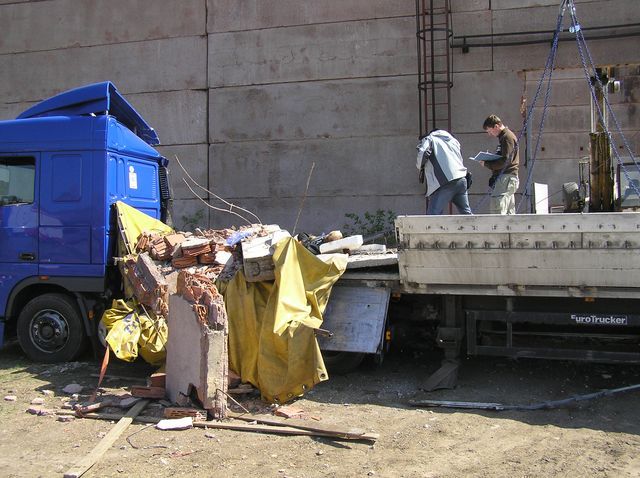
(63, 164)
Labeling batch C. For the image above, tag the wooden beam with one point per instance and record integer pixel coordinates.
(82, 466)
(301, 425)
(280, 430)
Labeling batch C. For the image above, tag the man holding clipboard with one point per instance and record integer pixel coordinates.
(504, 166)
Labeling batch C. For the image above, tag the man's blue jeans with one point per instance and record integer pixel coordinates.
(454, 191)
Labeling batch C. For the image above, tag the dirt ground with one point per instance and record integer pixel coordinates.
(597, 438)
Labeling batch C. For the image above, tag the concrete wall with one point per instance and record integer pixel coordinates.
(249, 94)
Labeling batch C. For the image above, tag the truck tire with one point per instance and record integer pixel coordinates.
(341, 363)
(50, 329)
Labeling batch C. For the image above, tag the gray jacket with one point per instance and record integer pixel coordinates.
(445, 164)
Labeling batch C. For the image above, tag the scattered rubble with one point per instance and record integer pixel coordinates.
(73, 388)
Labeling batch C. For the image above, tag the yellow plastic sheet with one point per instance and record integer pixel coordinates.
(132, 223)
(132, 333)
(272, 344)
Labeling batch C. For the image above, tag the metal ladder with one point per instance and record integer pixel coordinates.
(434, 33)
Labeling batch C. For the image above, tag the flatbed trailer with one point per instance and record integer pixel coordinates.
(559, 286)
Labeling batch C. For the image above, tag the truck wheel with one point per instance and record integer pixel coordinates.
(50, 329)
(341, 363)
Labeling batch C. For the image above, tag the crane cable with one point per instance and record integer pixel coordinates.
(582, 49)
(548, 70)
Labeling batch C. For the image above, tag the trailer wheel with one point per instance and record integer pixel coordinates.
(50, 329)
(341, 363)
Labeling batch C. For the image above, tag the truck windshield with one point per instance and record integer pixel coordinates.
(17, 181)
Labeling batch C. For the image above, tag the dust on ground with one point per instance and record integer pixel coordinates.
(597, 438)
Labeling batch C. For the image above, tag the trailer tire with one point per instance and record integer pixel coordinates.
(50, 329)
(341, 363)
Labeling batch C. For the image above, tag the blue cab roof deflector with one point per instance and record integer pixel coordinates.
(98, 98)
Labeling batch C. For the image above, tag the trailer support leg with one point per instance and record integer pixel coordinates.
(449, 338)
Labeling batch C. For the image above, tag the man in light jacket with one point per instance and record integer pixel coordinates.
(440, 164)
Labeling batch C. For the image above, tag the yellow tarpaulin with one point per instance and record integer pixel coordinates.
(272, 344)
(131, 333)
(132, 223)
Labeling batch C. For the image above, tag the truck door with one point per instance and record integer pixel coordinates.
(65, 214)
(18, 223)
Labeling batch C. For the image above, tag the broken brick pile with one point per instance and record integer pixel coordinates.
(208, 304)
(187, 265)
(152, 273)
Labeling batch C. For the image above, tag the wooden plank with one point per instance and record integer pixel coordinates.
(282, 430)
(82, 466)
(108, 416)
(318, 428)
(264, 428)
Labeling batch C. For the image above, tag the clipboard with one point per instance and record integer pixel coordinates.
(485, 156)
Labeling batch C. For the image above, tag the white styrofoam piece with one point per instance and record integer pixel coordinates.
(350, 243)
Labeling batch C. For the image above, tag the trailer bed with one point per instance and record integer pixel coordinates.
(561, 255)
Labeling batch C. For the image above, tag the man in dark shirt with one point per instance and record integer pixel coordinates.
(504, 179)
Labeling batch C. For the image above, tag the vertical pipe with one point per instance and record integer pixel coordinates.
(419, 53)
(448, 34)
(425, 67)
(433, 68)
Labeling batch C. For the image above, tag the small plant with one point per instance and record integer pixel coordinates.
(379, 226)
(191, 221)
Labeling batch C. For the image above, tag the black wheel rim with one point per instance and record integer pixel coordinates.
(49, 331)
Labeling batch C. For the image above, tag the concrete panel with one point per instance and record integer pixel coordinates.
(563, 118)
(194, 159)
(57, 24)
(478, 59)
(603, 52)
(515, 4)
(332, 109)
(383, 166)
(470, 5)
(338, 50)
(320, 214)
(560, 145)
(564, 92)
(577, 118)
(589, 14)
(159, 65)
(632, 140)
(190, 213)
(179, 117)
(473, 99)
(236, 15)
(471, 23)
(11, 110)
